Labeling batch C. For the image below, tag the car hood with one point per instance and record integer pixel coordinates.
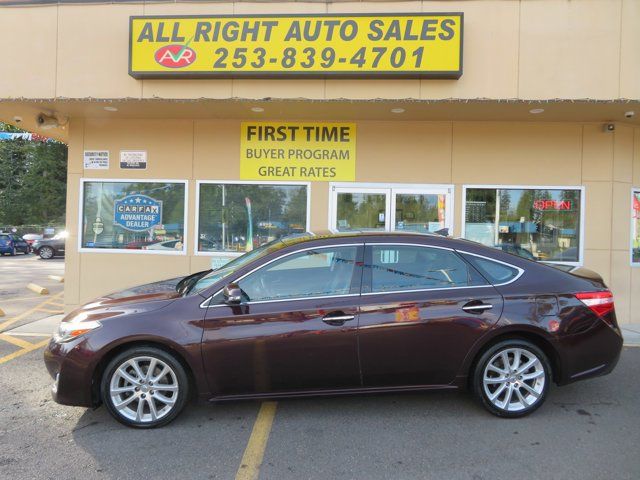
(142, 298)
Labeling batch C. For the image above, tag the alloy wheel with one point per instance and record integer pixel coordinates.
(514, 379)
(46, 253)
(144, 389)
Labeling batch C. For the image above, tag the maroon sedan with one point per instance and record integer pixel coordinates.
(339, 314)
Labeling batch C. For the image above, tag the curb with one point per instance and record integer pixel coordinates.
(38, 289)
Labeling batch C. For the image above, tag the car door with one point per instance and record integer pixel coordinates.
(422, 308)
(295, 328)
(20, 244)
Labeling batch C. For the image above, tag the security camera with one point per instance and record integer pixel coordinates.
(629, 114)
(46, 121)
(609, 127)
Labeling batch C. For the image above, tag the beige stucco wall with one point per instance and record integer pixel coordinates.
(535, 49)
(458, 153)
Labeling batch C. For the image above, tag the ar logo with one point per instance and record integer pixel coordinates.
(175, 56)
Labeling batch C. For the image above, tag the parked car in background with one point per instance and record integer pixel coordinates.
(10, 244)
(50, 247)
(516, 250)
(338, 314)
(30, 238)
(137, 244)
(166, 245)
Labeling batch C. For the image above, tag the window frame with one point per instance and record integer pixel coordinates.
(581, 188)
(126, 251)
(233, 255)
(634, 191)
(205, 304)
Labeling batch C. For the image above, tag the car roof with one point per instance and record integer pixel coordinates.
(396, 236)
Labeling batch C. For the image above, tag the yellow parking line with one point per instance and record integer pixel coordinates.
(19, 353)
(48, 310)
(18, 342)
(20, 299)
(254, 453)
(20, 316)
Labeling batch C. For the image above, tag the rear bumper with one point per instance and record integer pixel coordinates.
(592, 353)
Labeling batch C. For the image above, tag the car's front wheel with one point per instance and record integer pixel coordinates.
(512, 378)
(144, 387)
(46, 253)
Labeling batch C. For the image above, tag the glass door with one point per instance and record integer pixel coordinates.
(419, 210)
(406, 208)
(362, 209)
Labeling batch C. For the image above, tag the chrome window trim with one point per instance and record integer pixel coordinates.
(520, 270)
(296, 299)
(205, 303)
(417, 290)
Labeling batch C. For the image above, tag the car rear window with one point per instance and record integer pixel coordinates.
(495, 272)
(5, 237)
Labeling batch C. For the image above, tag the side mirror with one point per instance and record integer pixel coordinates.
(232, 294)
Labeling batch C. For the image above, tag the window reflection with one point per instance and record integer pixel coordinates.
(538, 224)
(241, 217)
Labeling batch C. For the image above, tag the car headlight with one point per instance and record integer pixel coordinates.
(75, 327)
(69, 330)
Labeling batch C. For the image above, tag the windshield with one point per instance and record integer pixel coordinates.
(235, 264)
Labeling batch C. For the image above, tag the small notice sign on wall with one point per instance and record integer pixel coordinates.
(96, 160)
(133, 159)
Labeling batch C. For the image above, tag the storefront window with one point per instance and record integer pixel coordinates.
(136, 215)
(238, 217)
(539, 224)
(635, 228)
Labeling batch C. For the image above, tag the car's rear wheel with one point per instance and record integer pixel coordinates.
(511, 379)
(144, 387)
(13, 252)
(46, 253)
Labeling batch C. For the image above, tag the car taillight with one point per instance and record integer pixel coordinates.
(599, 303)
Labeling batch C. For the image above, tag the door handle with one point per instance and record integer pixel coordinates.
(338, 319)
(476, 307)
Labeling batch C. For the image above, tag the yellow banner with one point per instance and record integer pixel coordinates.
(416, 45)
(298, 151)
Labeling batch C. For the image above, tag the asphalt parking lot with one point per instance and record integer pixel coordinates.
(588, 430)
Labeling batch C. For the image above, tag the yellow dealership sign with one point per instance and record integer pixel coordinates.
(298, 151)
(412, 45)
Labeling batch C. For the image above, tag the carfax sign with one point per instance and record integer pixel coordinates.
(415, 45)
(298, 151)
(137, 213)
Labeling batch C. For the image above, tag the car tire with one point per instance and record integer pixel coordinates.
(511, 378)
(133, 395)
(13, 252)
(46, 253)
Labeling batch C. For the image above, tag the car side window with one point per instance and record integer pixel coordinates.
(495, 272)
(406, 267)
(313, 273)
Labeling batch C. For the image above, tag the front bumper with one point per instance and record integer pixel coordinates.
(68, 365)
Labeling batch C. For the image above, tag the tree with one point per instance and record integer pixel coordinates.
(33, 179)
